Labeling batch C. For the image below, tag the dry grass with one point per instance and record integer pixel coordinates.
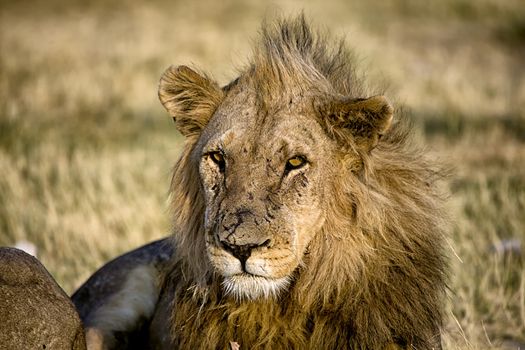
(86, 149)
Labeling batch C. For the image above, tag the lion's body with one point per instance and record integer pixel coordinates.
(302, 216)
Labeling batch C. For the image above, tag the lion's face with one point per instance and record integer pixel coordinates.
(263, 183)
(264, 170)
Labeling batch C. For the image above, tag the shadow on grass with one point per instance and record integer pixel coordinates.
(453, 126)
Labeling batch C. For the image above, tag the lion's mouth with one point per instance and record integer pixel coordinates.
(263, 275)
(245, 286)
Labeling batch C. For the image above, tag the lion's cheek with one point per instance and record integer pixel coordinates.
(305, 228)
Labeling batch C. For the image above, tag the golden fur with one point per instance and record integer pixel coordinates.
(372, 274)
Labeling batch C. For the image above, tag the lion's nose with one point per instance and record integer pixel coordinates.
(243, 252)
(241, 233)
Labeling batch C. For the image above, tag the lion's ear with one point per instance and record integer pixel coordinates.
(366, 120)
(190, 98)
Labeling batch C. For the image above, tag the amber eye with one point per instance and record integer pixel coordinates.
(218, 159)
(295, 163)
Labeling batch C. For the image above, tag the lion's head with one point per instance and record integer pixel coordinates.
(267, 159)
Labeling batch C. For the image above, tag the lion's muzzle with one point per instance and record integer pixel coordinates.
(241, 233)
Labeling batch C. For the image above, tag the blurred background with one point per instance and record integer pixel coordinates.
(86, 149)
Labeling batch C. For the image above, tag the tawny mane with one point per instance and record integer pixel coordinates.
(373, 275)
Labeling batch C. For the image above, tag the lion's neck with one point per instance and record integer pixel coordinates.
(215, 323)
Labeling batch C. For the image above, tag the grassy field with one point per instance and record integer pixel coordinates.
(86, 149)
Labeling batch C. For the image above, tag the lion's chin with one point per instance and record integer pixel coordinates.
(249, 287)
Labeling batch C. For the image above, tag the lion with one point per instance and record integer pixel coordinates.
(303, 216)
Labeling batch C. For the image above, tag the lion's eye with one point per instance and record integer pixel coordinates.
(295, 163)
(218, 159)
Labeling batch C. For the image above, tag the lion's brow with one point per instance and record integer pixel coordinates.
(302, 136)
